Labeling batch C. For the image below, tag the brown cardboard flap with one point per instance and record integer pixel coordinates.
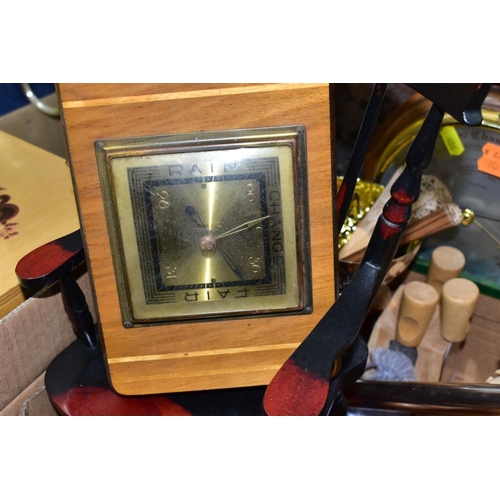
(31, 336)
(32, 401)
(38, 405)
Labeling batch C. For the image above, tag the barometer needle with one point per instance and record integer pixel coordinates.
(231, 264)
(241, 227)
(191, 211)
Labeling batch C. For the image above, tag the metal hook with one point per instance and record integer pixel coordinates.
(44, 108)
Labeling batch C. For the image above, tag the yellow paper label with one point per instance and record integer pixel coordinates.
(452, 140)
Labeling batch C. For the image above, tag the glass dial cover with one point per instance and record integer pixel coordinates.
(207, 225)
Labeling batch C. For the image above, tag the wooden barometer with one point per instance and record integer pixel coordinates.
(207, 217)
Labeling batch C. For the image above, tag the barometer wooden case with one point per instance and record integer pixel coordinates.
(207, 216)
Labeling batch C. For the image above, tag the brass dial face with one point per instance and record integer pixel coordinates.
(208, 225)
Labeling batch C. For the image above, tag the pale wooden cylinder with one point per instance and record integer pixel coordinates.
(446, 263)
(458, 301)
(417, 307)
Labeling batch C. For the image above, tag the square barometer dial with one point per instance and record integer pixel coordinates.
(208, 225)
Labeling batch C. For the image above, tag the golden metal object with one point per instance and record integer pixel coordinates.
(204, 225)
(405, 134)
(365, 194)
(469, 217)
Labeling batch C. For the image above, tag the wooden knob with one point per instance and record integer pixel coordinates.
(415, 312)
(446, 263)
(458, 301)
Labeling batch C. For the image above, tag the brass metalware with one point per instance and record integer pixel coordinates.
(365, 194)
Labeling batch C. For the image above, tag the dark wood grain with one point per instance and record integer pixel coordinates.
(77, 385)
(50, 262)
(463, 101)
(419, 398)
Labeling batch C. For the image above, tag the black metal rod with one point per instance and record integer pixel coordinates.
(359, 151)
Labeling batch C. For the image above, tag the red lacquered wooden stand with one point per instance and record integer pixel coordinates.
(76, 381)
